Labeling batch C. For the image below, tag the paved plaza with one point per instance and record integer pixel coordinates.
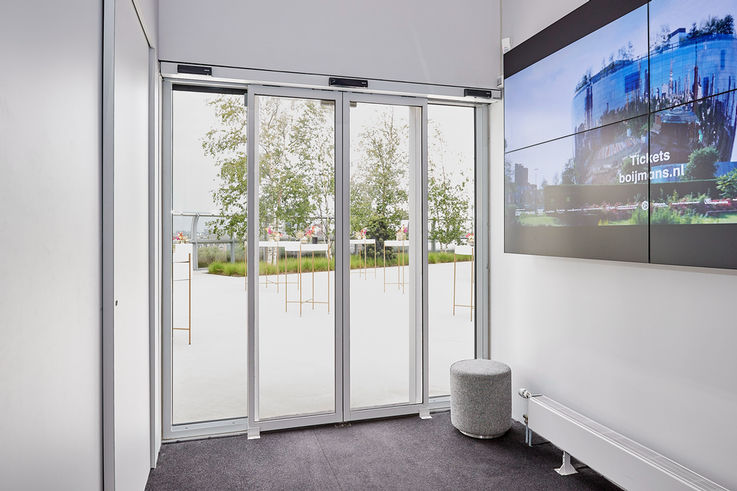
(296, 353)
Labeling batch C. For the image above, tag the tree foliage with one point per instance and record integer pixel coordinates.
(712, 26)
(296, 145)
(727, 185)
(448, 200)
(702, 163)
(226, 144)
(379, 183)
(296, 165)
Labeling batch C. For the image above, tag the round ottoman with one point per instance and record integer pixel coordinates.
(481, 398)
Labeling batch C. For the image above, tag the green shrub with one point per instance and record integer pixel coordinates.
(209, 254)
(225, 268)
(669, 216)
(702, 163)
(727, 185)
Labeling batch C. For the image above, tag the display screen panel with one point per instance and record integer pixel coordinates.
(693, 51)
(693, 187)
(581, 195)
(648, 160)
(577, 88)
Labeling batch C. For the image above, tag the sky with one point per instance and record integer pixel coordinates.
(543, 161)
(194, 174)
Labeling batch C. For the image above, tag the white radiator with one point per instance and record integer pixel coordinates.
(621, 460)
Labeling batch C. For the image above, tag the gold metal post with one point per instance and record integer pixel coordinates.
(384, 268)
(189, 273)
(312, 300)
(454, 282)
(473, 260)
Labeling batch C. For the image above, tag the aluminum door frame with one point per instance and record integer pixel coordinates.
(171, 431)
(255, 424)
(343, 411)
(418, 189)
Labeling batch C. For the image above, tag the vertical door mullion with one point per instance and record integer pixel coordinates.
(345, 272)
(252, 263)
(424, 318)
(166, 259)
(482, 229)
(340, 246)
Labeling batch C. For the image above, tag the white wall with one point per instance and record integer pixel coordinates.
(524, 18)
(128, 172)
(148, 12)
(647, 350)
(50, 356)
(430, 41)
(130, 272)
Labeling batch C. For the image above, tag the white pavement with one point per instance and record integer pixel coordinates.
(296, 355)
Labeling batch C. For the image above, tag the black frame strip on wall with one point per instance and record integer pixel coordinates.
(586, 19)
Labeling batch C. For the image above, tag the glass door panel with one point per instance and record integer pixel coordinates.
(207, 217)
(385, 296)
(295, 149)
(451, 241)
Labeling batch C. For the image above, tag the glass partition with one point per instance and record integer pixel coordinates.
(208, 304)
(451, 244)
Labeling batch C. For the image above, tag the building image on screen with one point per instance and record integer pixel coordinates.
(693, 60)
(649, 142)
(577, 180)
(569, 91)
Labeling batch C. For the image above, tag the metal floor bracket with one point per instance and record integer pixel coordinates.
(567, 468)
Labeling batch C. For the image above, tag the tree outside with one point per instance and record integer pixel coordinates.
(296, 145)
(448, 197)
(296, 165)
(379, 181)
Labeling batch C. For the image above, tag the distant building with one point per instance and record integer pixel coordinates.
(682, 68)
(522, 186)
(521, 174)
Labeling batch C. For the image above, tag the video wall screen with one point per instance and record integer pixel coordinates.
(621, 144)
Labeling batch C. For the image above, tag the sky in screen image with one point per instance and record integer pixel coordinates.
(539, 99)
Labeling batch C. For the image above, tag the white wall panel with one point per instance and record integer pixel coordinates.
(126, 250)
(50, 355)
(430, 41)
(522, 19)
(646, 350)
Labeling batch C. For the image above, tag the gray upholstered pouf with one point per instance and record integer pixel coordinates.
(481, 397)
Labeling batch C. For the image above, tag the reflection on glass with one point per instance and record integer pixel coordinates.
(208, 303)
(383, 337)
(451, 254)
(296, 328)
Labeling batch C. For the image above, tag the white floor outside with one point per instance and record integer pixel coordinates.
(296, 353)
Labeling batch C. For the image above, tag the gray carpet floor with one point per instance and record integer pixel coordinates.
(401, 453)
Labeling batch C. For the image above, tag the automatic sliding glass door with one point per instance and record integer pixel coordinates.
(305, 231)
(205, 301)
(294, 248)
(384, 331)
